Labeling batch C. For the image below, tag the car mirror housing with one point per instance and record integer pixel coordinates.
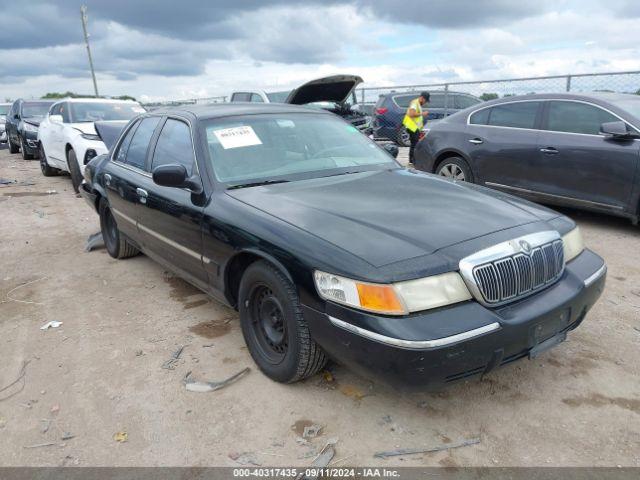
(391, 149)
(55, 118)
(616, 129)
(175, 175)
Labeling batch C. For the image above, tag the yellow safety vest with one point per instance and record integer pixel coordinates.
(413, 123)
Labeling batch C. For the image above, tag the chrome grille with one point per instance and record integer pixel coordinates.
(515, 268)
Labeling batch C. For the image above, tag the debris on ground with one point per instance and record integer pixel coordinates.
(21, 376)
(328, 376)
(311, 431)
(324, 457)
(351, 391)
(196, 386)
(38, 445)
(139, 353)
(51, 192)
(209, 345)
(45, 424)
(55, 408)
(173, 361)
(51, 324)
(94, 242)
(121, 437)
(439, 448)
(246, 458)
(67, 436)
(12, 299)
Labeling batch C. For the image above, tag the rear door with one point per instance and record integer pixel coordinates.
(578, 165)
(127, 172)
(502, 142)
(169, 219)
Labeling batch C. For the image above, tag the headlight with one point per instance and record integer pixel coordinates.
(90, 136)
(573, 244)
(394, 299)
(30, 128)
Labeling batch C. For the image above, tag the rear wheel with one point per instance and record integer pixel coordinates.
(455, 168)
(47, 171)
(403, 138)
(117, 245)
(13, 148)
(273, 326)
(74, 170)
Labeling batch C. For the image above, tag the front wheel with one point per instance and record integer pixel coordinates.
(74, 170)
(23, 149)
(403, 139)
(273, 326)
(455, 168)
(47, 171)
(117, 245)
(13, 148)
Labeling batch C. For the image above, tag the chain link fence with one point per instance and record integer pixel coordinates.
(188, 101)
(446, 98)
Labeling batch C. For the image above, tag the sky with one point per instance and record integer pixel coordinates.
(159, 50)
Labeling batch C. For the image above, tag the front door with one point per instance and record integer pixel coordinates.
(577, 165)
(170, 218)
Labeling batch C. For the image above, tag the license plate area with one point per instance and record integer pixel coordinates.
(547, 344)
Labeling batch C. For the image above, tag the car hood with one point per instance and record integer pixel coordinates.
(388, 216)
(109, 131)
(336, 88)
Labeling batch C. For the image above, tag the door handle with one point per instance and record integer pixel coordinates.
(107, 179)
(549, 150)
(142, 193)
(475, 141)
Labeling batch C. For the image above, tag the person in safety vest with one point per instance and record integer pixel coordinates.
(414, 120)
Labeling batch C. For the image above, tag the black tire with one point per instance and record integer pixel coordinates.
(455, 167)
(402, 139)
(23, 150)
(273, 327)
(117, 245)
(74, 170)
(13, 148)
(47, 171)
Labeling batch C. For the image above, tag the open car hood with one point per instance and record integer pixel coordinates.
(109, 131)
(336, 88)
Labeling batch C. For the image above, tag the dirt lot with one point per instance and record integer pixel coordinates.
(101, 372)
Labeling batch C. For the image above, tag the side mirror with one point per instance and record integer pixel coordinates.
(176, 176)
(56, 118)
(16, 116)
(391, 149)
(615, 129)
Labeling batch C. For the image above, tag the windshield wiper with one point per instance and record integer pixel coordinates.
(256, 184)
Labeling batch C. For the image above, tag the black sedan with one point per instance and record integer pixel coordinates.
(575, 150)
(22, 124)
(329, 249)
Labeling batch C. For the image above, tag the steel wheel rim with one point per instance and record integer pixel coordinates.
(111, 229)
(268, 324)
(453, 171)
(404, 137)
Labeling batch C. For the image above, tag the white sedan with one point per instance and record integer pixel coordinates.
(67, 135)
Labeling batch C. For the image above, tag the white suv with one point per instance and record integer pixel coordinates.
(67, 135)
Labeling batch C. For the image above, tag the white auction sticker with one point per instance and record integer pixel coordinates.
(237, 137)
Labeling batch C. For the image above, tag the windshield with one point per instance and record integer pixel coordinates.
(95, 111)
(289, 147)
(30, 110)
(631, 105)
(4, 109)
(278, 97)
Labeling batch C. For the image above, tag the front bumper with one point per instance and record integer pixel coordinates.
(31, 143)
(427, 350)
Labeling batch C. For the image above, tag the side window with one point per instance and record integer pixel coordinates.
(436, 100)
(137, 152)
(574, 117)
(241, 97)
(255, 98)
(121, 153)
(464, 101)
(516, 115)
(174, 146)
(480, 117)
(55, 110)
(64, 111)
(403, 101)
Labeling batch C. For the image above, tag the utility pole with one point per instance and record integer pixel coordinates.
(83, 16)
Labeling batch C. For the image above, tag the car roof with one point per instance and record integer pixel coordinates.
(596, 97)
(94, 100)
(236, 108)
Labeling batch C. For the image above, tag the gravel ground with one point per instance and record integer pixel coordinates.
(99, 375)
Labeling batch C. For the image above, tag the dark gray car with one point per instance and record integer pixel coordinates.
(575, 150)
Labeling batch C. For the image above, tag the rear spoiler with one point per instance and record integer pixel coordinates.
(109, 131)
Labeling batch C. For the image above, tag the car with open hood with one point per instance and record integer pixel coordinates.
(335, 93)
(329, 248)
(68, 137)
(4, 110)
(22, 124)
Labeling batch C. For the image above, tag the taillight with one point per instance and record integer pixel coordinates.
(381, 111)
